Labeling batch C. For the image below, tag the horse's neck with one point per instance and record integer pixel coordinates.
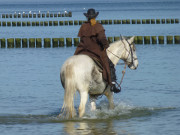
(115, 52)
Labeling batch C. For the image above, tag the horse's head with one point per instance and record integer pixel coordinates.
(129, 55)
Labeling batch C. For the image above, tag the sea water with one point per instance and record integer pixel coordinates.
(31, 95)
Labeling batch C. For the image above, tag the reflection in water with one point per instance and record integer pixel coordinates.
(89, 127)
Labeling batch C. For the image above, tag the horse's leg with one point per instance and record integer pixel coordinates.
(110, 98)
(93, 103)
(82, 106)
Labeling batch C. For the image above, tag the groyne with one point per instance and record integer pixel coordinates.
(68, 42)
(37, 15)
(80, 22)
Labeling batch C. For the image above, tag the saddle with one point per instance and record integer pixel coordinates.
(98, 63)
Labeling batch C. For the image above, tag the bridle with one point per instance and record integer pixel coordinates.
(130, 52)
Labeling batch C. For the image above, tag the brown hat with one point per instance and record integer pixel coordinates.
(91, 13)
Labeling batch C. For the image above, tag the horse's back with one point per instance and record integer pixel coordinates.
(77, 67)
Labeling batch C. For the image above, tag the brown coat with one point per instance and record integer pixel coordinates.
(93, 43)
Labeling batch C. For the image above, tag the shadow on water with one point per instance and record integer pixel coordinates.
(122, 111)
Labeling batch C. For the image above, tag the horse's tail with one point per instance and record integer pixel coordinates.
(69, 86)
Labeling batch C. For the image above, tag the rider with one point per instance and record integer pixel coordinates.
(93, 43)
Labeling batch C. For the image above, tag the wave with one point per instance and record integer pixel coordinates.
(122, 111)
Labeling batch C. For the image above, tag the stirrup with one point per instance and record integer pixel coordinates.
(114, 88)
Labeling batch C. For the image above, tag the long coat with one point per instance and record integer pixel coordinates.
(93, 43)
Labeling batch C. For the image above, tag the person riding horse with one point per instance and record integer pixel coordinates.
(93, 42)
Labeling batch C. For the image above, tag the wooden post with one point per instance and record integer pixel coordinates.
(106, 22)
(46, 23)
(24, 43)
(68, 42)
(3, 43)
(28, 23)
(146, 39)
(76, 41)
(169, 39)
(33, 23)
(161, 39)
(34, 15)
(66, 22)
(116, 38)
(37, 23)
(123, 21)
(50, 23)
(148, 21)
(47, 15)
(163, 21)
(55, 23)
(15, 15)
(55, 15)
(128, 21)
(38, 43)
(133, 21)
(158, 21)
(47, 42)
(177, 39)
(143, 21)
(24, 24)
(61, 23)
(80, 22)
(19, 15)
(76, 22)
(9, 24)
(154, 39)
(39, 15)
(51, 15)
(110, 21)
(176, 20)
(110, 39)
(32, 43)
(138, 21)
(55, 42)
(61, 42)
(139, 40)
(115, 21)
(30, 15)
(70, 14)
(152, 21)
(102, 21)
(136, 40)
(3, 16)
(70, 22)
(18, 42)
(43, 15)
(3, 23)
(41, 23)
(10, 43)
(119, 21)
(19, 23)
(168, 21)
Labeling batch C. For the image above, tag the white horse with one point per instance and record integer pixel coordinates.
(80, 73)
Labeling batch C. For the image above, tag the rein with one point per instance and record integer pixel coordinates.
(132, 61)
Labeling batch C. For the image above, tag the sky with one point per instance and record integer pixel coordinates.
(72, 1)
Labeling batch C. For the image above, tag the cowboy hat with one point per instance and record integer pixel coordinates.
(91, 13)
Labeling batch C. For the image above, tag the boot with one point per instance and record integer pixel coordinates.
(113, 78)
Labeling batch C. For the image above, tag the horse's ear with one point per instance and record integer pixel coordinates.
(131, 39)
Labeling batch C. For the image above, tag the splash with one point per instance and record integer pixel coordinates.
(122, 110)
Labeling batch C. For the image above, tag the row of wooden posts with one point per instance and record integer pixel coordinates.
(80, 22)
(61, 42)
(34, 15)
